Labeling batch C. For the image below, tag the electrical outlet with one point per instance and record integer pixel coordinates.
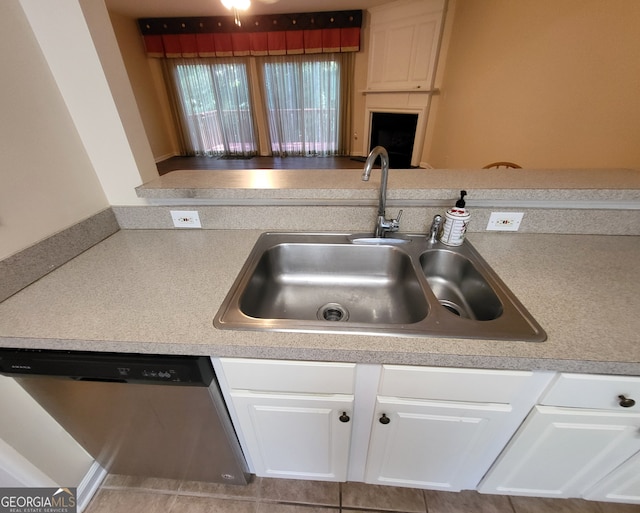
(185, 219)
(505, 221)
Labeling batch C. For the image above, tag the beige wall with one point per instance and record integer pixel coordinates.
(359, 144)
(544, 83)
(47, 180)
(146, 80)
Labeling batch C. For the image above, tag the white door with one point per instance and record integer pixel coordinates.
(622, 485)
(432, 444)
(559, 452)
(296, 436)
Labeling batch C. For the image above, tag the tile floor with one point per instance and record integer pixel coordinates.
(125, 494)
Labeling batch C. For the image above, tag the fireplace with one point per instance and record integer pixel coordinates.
(397, 133)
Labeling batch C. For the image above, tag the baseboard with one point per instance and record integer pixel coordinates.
(90, 484)
(166, 156)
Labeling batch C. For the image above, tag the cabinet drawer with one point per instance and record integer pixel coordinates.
(593, 392)
(289, 376)
(448, 384)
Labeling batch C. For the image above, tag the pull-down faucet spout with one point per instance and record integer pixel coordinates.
(383, 225)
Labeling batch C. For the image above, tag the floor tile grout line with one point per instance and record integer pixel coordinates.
(258, 498)
(302, 504)
(184, 493)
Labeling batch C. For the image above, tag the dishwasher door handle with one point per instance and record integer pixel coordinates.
(99, 380)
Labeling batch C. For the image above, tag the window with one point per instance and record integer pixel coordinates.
(215, 107)
(302, 96)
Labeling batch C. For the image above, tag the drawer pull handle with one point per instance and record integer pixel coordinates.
(384, 419)
(626, 402)
(344, 417)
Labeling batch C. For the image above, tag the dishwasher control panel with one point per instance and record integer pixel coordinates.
(108, 367)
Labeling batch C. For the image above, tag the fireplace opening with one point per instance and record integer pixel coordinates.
(397, 133)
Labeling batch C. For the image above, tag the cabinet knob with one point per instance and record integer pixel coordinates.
(384, 419)
(626, 402)
(344, 417)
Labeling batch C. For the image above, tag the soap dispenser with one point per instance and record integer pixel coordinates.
(456, 221)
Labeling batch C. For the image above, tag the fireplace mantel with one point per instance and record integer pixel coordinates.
(404, 43)
(400, 90)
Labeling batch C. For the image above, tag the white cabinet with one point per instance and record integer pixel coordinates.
(294, 418)
(425, 444)
(441, 428)
(622, 485)
(403, 42)
(296, 437)
(585, 428)
(438, 428)
(425, 427)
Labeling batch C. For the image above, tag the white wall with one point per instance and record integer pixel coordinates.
(79, 45)
(39, 440)
(47, 182)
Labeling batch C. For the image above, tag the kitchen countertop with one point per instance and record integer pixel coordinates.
(157, 291)
(345, 186)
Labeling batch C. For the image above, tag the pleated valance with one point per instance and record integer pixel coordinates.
(278, 34)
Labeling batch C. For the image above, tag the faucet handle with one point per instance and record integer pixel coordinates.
(434, 230)
(395, 223)
(384, 225)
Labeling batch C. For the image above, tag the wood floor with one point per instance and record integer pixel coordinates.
(212, 163)
(124, 494)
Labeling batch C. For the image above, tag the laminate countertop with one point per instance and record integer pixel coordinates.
(345, 186)
(157, 291)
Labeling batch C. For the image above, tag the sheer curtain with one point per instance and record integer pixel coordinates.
(303, 97)
(212, 100)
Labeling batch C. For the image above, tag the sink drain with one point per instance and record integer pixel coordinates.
(452, 307)
(333, 312)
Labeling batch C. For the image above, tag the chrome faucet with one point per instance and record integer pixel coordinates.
(383, 225)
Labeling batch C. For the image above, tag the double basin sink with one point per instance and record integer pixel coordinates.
(341, 283)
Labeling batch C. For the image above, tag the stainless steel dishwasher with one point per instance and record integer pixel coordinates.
(144, 415)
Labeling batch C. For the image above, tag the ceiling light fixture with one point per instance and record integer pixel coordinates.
(236, 6)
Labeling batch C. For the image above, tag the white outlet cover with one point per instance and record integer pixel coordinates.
(505, 221)
(185, 218)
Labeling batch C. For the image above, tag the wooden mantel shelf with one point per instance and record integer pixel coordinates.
(399, 90)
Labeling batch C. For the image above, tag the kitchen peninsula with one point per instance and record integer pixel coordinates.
(151, 289)
(157, 291)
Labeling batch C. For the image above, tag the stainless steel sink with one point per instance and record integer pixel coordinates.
(334, 282)
(341, 283)
(459, 286)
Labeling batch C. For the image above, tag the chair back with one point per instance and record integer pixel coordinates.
(506, 165)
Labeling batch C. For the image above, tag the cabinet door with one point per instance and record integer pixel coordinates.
(622, 485)
(432, 444)
(403, 44)
(559, 452)
(296, 436)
